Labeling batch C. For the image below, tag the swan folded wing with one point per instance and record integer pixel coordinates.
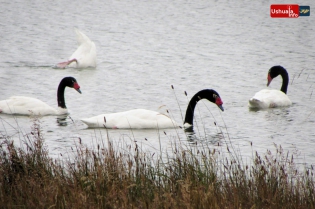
(111, 120)
(279, 99)
(25, 106)
(144, 119)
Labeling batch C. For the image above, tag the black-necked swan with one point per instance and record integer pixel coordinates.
(270, 98)
(22, 105)
(84, 56)
(142, 119)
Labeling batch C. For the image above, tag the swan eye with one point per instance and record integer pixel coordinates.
(215, 96)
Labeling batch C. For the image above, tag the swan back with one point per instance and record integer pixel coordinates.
(27, 106)
(134, 119)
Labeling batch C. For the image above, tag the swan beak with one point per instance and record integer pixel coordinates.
(221, 107)
(78, 90)
(269, 79)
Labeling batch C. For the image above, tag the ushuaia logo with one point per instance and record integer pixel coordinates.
(288, 11)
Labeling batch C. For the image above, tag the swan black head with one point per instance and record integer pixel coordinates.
(71, 82)
(66, 82)
(279, 70)
(208, 94)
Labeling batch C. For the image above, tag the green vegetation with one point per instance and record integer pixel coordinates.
(106, 178)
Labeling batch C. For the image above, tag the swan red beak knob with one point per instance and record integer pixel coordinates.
(77, 87)
(269, 79)
(219, 103)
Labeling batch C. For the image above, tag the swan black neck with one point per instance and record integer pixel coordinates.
(67, 81)
(208, 94)
(285, 81)
(279, 70)
(61, 94)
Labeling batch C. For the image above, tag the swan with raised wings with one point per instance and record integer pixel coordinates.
(84, 56)
(270, 98)
(144, 119)
(22, 105)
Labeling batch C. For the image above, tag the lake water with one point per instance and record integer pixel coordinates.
(144, 47)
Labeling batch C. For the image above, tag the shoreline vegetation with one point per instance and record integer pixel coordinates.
(187, 178)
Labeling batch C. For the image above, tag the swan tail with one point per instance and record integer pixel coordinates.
(81, 37)
(254, 103)
(92, 124)
(87, 122)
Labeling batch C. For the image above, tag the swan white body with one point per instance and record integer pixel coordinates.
(27, 106)
(141, 118)
(134, 119)
(269, 98)
(84, 56)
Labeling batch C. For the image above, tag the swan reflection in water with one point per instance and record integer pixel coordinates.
(193, 137)
(63, 120)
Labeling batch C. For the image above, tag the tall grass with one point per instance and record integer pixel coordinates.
(187, 178)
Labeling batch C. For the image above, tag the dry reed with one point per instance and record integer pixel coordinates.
(106, 178)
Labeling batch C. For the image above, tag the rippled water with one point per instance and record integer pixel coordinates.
(144, 48)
